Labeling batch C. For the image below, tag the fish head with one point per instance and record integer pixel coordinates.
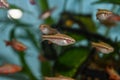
(44, 28)
(70, 41)
(103, 14)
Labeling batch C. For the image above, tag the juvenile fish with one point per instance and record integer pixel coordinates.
(16, 45)
(58, 78)
(4, 4)
(107, 17)
(9, 69)
(103, 47)
(46, 29)
(32, 2)
(59, 39)
(47, 13)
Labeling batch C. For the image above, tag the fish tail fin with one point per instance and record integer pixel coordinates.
(7, 43)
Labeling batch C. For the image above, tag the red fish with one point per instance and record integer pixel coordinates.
(113, 75)
(32, 2)
(4, 4)
(9, 69)
(16, 45)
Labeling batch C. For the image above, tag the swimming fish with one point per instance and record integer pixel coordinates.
(46, 29)
(113, 75)
(4, 4)
(103, 47)
(9, 69)
(58, 78)
(59, 39)
(16, 45)
(107, 17)
(47, 13)
(32, 2)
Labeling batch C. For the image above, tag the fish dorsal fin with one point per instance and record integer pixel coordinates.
(104, 44)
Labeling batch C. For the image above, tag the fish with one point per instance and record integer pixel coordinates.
(106, 17)
(32, 2)
(58, 78)
(113, 75)
(16, 45)
(46, 29)
(9, 69)
(4, 4)
(47, 13)
(59, 39)
(102, 47)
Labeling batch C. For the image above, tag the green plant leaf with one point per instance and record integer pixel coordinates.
(33, 39)
(71, 58)
(88, 22)
(46, 68)
(107, 1)
(12, 33)
(77, 37)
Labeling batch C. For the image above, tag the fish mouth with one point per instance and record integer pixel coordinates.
(71, 41)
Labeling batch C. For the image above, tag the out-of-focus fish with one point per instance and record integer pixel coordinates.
(46, 29)
(59, 39)
(103, 47)
(107, 17)
(9, 69)
(16, 45)
(4, 4)
(47, 13)
(58, 78)
(32, 2)
(113, 75)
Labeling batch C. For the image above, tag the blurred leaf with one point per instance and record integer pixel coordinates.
(72, 58)
(88, 22)
(49, 50)
(12, 34)
(43, 5)
(46, 68)
(107, 1)
(77, 37)
(32, 38)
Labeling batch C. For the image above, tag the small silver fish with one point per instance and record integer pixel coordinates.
(103, 47)
(107, 17)
(59, 39)
(46, 29)
(103, 14)
(47, 13)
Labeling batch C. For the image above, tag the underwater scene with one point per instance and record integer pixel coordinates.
(59, 40)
